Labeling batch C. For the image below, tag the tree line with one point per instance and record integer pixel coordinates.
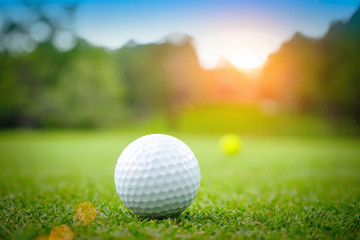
(51, 78)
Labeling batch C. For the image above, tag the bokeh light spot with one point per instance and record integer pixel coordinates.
(85, 212)
(40, 32)
(64, 40)
(61, 233)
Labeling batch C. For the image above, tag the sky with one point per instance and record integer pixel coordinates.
(241, 32)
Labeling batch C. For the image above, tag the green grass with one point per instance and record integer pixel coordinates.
(277, 188)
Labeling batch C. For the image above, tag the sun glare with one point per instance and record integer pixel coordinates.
(246, 50)
(246, 59)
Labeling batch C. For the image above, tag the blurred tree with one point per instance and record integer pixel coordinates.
(159, 78)
(321, 75)
(30, 64)
(33, 22)
(45, 79)
(340, 75)
(24, 83)
(287, 76)
(89, 91)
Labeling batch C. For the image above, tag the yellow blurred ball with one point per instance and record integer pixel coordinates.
(230, 144)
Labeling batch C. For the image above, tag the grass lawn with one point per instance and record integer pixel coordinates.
(277, 188)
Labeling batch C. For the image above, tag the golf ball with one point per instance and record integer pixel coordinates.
(157, 175)
(230, 144)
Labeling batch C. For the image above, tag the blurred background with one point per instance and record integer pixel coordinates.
(258, 68)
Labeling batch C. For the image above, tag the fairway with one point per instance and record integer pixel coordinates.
(276, 188)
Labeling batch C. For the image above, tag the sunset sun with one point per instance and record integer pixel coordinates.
(246, 59)
(246, 50)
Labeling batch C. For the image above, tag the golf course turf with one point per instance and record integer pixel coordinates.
(278, 187)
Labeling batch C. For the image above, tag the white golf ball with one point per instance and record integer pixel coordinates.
(157, 175)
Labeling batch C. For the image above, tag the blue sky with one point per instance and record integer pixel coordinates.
(243, 32)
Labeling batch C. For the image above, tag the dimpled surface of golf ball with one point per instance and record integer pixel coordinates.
(157, 175)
